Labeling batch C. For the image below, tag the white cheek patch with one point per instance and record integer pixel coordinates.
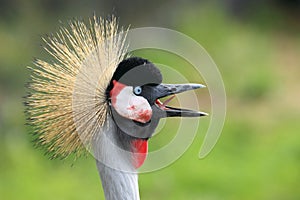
(133, 107)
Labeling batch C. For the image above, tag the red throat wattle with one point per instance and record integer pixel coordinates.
(139, 151)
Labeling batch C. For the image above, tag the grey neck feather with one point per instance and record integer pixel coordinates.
(119, 177)
(118, 185)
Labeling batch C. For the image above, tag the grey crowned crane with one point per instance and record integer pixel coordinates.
(93, 96)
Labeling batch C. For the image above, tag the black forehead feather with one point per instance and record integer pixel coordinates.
(137, 71)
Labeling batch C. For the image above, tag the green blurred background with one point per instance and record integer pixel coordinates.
(256, 45)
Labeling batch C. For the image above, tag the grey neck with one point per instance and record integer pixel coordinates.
(119, 177)
(118, 185)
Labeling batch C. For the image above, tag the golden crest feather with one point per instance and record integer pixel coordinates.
(66, 103)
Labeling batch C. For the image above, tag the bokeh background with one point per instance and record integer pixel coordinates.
(256, 45)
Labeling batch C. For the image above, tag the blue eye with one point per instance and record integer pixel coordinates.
(137, 90)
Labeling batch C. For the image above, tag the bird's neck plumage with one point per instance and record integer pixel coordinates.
(117, 184)
(117, 171)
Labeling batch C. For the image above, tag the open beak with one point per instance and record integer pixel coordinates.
(163, 90)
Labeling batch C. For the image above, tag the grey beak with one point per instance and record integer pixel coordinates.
(163, 90)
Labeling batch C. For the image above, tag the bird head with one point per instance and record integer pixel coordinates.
(72, 99)
(133, 96)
